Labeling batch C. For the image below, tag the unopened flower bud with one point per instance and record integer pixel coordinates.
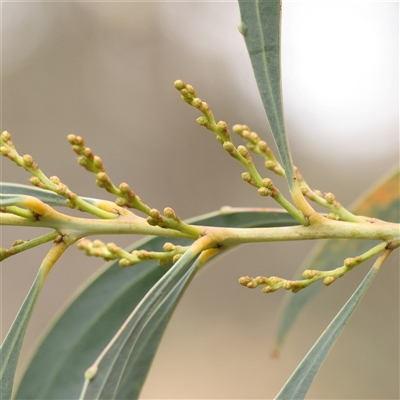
(263, 191)
(191, 90)
(179, 85)
(269, 164)
(5, 136)
(28, 160)
(242, 150)
(268, 183)
(169, 246)
(202, 121)
(330, 198)
(169, 212)
(229, 147)
(196, 102)
(350, 262)
(154, 213)
(35, 181)
(329, 280)
(123, 262)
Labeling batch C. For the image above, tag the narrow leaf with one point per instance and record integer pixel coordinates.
(91, 319)
(298, 384)
(11, 347)
(260, 26)
(382, 202)
(113, 365)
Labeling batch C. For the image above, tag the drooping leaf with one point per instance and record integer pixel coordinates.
(92, 318)
(261, 27)
(382, 202)
(121, 353)
(11, 347)
(298, 384)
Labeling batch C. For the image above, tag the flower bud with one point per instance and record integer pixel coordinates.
(179, 85)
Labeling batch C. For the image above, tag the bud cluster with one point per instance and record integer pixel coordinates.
(111, 251)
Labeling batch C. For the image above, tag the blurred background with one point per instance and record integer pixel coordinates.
(105, 71)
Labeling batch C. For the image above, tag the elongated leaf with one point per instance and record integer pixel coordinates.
(167, 290)
(382, 202)
(260, 26)
(91, 319)
(11, 347)
(50, 198)
(298, 384)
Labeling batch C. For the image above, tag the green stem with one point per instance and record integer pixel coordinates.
(28, 245)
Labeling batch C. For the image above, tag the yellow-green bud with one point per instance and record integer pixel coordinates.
(202, 121)
(55, 179)
(28, 160)
(350, 262)
(124, 188)
(169, 212)
(179, 85)
(246, 176)
(268, 183)
(91, 373)
(263, 191)
(123, 262)
(330, 198)
(169, 246)
(35, 181)
(242, 150)
(154, 213)
(310, 273)
(269, 164)
(229, 147)
(329, 280)
(5, 136)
